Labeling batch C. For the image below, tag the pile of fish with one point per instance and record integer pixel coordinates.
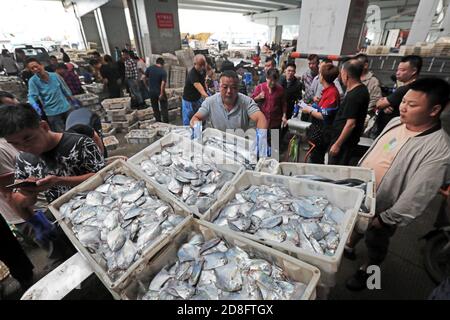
(244, 157)
(214, 270)
(273, 213)
(118, 220)
(355, 183)
(193, 178)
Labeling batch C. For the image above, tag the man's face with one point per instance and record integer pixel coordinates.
(33, 141)
(53, 61)
(405, 71)
(35, 67)
(60, 71)
(269, 65)
(125, 56)
(313, 65)
(414, 109)
(9, 101)
(290, 73)
(229, 90)
(200, 65)
(343, 76)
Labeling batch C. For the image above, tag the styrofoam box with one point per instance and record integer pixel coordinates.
(295, 269)
(190, 148)
(348, 199)
(141, 136)
(121, 167)
(116, 103)
(338, 173)
(240, 142)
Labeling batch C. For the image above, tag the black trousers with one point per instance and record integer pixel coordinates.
(13, 255)
(377, 243)
(344, 156)
(160, 108)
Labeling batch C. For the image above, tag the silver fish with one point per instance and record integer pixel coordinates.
(214, 260)
(159, 280)
(228, 277)
(116, 239)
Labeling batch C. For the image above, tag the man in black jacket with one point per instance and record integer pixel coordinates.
(293, 89)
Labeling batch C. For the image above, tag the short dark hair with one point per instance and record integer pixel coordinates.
(362, 57)
(160, 61)
(17, 118)
(94, 62)
(268, 59)
(291, 65)
(313, 57)
(82, 129)
(229, 74)
(53, 57)
(96, 53)
(273, 74)
(414, 60)
(326, 60)
(354, 68)
(61, 66)
(329, 72)
(107, 58)
(5, 94)
(30, 60)
(436, 89)
(125, 51)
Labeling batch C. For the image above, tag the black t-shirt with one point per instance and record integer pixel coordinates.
(110, 72)
(155, 76)
(354, 106)
(190, 92)
(75, 155)
(395, 99)
(293, 90)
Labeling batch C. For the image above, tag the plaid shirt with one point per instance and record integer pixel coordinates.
(131, 70)
(73, 82)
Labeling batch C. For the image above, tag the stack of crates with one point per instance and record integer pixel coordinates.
(119, 114)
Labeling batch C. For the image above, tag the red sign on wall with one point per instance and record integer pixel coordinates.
(164, 20)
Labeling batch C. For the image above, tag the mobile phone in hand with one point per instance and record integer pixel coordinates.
(22, 184)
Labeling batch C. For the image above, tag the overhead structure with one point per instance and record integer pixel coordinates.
(239, 6)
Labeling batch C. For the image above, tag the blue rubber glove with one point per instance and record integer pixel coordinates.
(37, 108)
(296, 110)
(43, 228)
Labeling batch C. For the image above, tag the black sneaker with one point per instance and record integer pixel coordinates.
(358, 281)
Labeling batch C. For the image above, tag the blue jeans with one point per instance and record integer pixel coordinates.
(188, 109)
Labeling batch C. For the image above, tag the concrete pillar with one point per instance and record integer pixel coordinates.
(157, 25)
(91, 30)
(445, 25)
(422, 21)
(330, 26)
(115, 24)
(278, 34)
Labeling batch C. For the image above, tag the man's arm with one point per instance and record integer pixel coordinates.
(202, 113)
(33, 92)
(421, 189)
(260, 119)
(200, 89)
(196, 118)
(345, 134)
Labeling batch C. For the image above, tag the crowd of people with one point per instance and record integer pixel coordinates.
(45, 142)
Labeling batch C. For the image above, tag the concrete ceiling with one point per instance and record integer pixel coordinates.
(239, 6)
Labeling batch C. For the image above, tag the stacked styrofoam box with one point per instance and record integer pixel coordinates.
(141, 136)
(442, 47)
(94, 88)
(177, 77)
(186, 58)
(120, 114)
(15, 86)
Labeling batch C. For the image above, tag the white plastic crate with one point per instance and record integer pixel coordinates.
(110, 142)
(141, 136)
(122, 116)
(121, 167)
(338, 173)
(87, 99)
(190, 148)
(295, 269)
(116, 103)
(347, 199)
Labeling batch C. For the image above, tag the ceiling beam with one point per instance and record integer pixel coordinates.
(284, 3)
(213, 8)
(233, 3)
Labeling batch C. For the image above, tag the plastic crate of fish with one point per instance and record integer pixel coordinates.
(122, 116)
(87, 99)
(146, 124)
(110, 142)
(144, 114)
(141, 136)
(94, 88)
(235, 146)
(116, 219)
(190, 172)
(362, 178)
(309, 220)
(203, 262)
(116, 103)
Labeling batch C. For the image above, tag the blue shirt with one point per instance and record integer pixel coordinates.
(52, 94)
